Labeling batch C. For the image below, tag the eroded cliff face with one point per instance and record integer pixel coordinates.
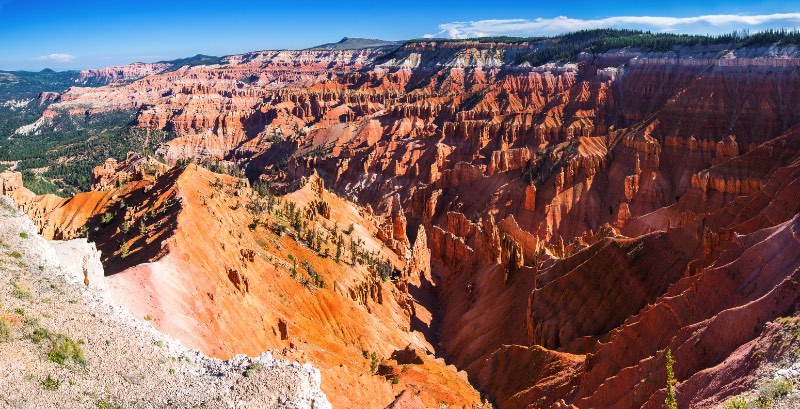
(211, 262)
(554, 229)
(110, 75)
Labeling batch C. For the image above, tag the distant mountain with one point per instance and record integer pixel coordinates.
(357, 44)
(199, 59)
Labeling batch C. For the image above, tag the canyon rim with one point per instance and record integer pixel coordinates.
(602, 218)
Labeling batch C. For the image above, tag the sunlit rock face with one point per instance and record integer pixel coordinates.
(552, 230)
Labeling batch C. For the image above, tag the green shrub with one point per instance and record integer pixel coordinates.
(373, 365)
(255, 366)
(774, 389)
(51, 384)
(106, 218)
(738, 402)
(20, 291)
(15, 254)
(279, 229)
(5, 331)
(23, 235)
(124, 250)
(63, 348)
(40, 334)
(103, 404)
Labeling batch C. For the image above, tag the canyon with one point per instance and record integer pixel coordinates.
(444, 223)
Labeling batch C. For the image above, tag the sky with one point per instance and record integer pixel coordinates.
(71, 34)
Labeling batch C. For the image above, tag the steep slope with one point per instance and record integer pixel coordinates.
(224, 270)
(550, 229)
(63, 343)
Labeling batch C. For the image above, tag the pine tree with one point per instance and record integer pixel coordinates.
(353, 251)
(339, 246)
(671, 402)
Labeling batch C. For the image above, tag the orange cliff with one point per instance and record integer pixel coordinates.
(109, 75)
(223, 269)
(537, 221)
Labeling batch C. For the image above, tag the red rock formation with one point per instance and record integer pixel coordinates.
(530, 198)
(114, 174)
(515, 179)
(10, 182)
(177, 247)
(123, 73)
(554, 369)
(407, 400)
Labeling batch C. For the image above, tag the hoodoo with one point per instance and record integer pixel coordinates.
(491, 222)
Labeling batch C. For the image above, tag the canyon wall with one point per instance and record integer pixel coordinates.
(556, 228)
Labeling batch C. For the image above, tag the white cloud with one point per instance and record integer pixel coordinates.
(709, 24)
(57, 58)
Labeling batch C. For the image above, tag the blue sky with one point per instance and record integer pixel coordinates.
(83, 34)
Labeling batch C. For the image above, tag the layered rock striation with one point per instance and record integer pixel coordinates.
(570, 221)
